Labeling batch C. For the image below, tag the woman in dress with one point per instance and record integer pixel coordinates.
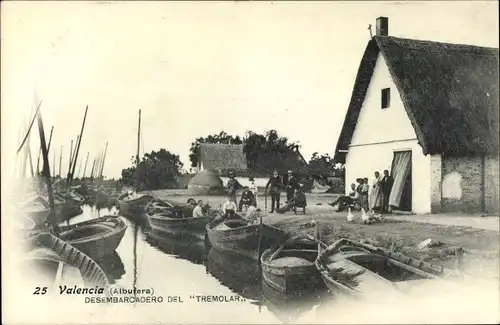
(376, 194)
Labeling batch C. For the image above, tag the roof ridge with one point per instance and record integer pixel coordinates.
(462, 46)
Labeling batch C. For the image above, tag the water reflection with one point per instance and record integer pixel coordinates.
(113, 267)
(240, 274)
(182, 267)
(193, 250)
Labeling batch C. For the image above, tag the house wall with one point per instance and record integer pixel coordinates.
(379, 132)
(462, 189)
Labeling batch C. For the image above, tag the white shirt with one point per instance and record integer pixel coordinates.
(197, 212)
(229, 205)
(253, 187)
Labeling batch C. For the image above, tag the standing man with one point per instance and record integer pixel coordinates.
(274, 184)
(386, 186)
(232, 186)
(291, 186)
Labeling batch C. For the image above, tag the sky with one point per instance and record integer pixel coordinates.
(196, 68)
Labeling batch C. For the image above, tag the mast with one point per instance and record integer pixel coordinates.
(85, 168)
(78, 147)
(46, 173)
(60, 161)
(40, 152)
(92, 171)
(138, 146)
(70, 154)
(103, 159)
(79, 168)
(54, 165)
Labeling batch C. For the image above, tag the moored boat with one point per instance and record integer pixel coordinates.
(36, 209)
(241, 237)
(359, 270)
(97, 237)
(133, 205)
(55, 259)
(291, 266)
(168, 219)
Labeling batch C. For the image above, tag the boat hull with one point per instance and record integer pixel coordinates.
(134, 209)
(291, 266)
(244, 240)
(97, 238)
(178, 227)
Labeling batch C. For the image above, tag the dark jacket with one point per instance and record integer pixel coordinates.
(233, 185)
(247, 197)
(386, 184)
(274, 185)
(293, 184)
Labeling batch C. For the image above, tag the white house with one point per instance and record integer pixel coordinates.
(428, 113)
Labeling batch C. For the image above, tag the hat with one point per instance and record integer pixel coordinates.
(231, 174)
(251, 179)
(289, 171)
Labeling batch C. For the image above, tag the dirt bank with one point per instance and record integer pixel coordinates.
(479, 247)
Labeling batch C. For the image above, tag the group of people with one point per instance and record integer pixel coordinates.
(274, 187)
(373, 198)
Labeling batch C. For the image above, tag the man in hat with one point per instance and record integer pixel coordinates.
(247, 199)
(291, 186)
(232, 186)
(255, 190)
(274, 184)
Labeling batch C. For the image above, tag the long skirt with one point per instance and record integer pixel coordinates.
(376, 198)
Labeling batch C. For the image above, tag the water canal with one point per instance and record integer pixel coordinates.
(178, 270)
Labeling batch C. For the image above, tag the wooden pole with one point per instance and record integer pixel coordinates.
(78, 146)
(79, 168)
(103, 159)
(85, 168)
(54, 165)
(40, 152)
(46, 173)
(92, 171)
(60, 161)
(69, 165)
(29, 129)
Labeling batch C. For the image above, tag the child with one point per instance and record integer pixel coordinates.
(247, 199)
(365, 188)
(229, 208)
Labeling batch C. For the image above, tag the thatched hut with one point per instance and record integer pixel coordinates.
(205, 183)
(429, 113)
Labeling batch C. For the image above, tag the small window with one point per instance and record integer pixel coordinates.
(386, 98)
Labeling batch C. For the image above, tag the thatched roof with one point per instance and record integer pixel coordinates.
(449, 91)
(223, 157)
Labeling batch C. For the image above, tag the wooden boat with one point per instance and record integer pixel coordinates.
(291, 266)
(37, 210)
(241, 237)
(167, 219)
(359, 270)
(55, 259)
(97, 237)
(133, 205)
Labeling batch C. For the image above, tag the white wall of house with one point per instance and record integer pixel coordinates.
(379, 132)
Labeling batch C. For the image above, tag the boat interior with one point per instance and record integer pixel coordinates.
(297, 253)
(231, 224)
(84, 232)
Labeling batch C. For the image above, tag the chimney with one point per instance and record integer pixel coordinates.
(382, 26)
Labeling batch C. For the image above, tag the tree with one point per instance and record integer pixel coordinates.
(222, 138)
(324, 164)
(267, 152)
(156, 170)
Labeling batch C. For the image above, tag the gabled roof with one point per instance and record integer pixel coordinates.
(449, 91)
(222, 157)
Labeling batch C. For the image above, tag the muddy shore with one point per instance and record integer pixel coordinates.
(478, 248)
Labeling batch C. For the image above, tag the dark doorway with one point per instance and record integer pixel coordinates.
(401, 171)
